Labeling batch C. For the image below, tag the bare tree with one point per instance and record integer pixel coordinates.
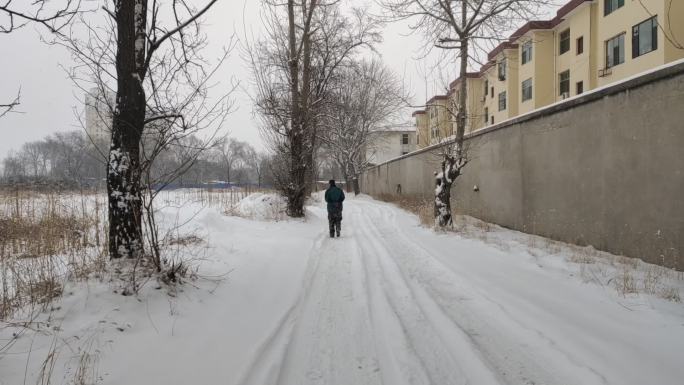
(11, 105)
(58, 158)
(233, 153)
(260, 164)
(18, 14)
(470, 27)
(306, 42)
(35, 158)
(363, 99)
(149, 54)
(22, 12)
(14, 168)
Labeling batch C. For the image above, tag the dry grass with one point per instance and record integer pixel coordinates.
(222, 199)
(670, 294)
(185, 240)
(624, 281)
(628, 276)
(46, 239)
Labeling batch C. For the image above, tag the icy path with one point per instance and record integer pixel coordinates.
(388, 303)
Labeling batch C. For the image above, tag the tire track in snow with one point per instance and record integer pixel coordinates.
(376, 308)
(266, 362)
(326, 336)
(539, 362)
(444, 353)
(399, 362)
(332, 342)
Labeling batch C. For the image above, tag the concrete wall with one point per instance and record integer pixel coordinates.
(604, 169)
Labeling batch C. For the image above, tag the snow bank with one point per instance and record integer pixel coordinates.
(260, 206)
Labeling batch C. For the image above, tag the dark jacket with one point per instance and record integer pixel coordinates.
(334, 196)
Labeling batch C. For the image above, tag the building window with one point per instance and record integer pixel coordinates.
(579, 88)
(502, 101)
(527, 89)
(645, 37)
(564, 41)
(486, 86)
(580, 45)
(564, 83)
(502, 69)
(615, 51)
(404, 138)
(491, 92)
(527, 52)
(612, 5)
(486, 116)
(492, 119)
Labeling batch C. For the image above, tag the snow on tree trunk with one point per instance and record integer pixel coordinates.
(442, 201)
(123, 167)
(454, 157)
(451, 169)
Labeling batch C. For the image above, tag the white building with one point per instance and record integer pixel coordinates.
(391, 142)
(98, 116)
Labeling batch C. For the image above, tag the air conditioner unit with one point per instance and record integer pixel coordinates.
(565, 95)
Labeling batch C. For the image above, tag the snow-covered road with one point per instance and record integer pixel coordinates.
(388, 303)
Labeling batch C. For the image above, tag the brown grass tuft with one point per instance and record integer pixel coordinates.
(46, 239)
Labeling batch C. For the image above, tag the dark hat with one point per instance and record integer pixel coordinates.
(332, 182)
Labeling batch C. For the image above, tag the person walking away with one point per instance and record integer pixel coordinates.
(334, 196)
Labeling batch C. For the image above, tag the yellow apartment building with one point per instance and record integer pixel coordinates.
(634, 36)
(422, 132)
(588, 44)
(574, 51)
(500, 76)
(474, 105)
(535, 45)
(438, 111)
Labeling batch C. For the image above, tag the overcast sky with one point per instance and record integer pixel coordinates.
(49, 99)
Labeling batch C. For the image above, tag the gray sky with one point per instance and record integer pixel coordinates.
(49, 99)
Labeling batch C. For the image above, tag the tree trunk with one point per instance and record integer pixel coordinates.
(452, 160)
(295, 200)
(296, 191)
(353, 178)
(123, 168)
(443, 203)
(298, 137)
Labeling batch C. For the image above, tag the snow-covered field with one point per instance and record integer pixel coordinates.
(390, 302)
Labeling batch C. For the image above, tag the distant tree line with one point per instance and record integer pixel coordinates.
(72, 160)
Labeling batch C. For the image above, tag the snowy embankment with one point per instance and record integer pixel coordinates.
(388, 303)
(260, 206)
